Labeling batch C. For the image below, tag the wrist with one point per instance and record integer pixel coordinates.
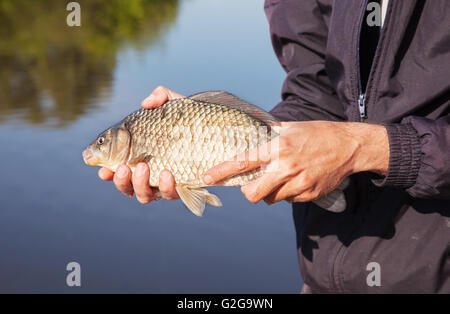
(372, 153)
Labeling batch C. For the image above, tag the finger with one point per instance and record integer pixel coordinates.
(159, 96)
(122, 180)
(287, 190)
(302, 196)
(295, 199)
(241, 163)
(167, 185)
(105, 174)
(139, 179)
(271, 198)
(260, 188)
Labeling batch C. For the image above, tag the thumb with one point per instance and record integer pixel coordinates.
(159, 96)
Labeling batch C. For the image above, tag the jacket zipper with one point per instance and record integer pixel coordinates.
(363, 115)
(362, 105)
(362, 96)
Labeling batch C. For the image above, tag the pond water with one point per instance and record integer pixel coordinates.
(60, 86)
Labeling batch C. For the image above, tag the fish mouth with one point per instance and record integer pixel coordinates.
(89, 157)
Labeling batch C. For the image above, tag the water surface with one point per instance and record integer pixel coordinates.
(60, 86)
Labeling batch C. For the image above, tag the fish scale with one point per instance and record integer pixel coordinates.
(154, 132)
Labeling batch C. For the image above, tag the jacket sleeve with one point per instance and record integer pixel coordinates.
(420, 157)
(299, 34)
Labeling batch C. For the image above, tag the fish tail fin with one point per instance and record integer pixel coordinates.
(196, 198)
(334, 201)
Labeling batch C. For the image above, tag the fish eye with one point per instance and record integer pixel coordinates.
(101, 140)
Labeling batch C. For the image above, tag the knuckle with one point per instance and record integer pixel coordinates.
(243, 164)
(161, 88)
(291, 200)
(298, 198)
(301, 186)
(253, 200)
(252, 194)
(138, 188)
(277, 198)
(305, 181)
(309, 196)
(287, 172)
(314, 195)
(168, 194)
(126, 191)
(252, 197)
(122, 185)
(290, 166)
(306, 197)
(164, 189)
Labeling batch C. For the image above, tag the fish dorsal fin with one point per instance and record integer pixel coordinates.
(195, 198)
(229, 100)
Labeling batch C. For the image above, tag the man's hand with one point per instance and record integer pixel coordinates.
(308, 160)
(137, 182)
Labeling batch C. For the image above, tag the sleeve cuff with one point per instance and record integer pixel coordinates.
(405, 156)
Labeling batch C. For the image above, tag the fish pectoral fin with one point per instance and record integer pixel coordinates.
(212, 199)
(196, 198)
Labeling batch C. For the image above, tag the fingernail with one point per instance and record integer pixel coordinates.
(121, 172)
(165, 176)
(140, 169)
(207, 179)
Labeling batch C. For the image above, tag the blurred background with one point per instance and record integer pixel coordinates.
(60, 86)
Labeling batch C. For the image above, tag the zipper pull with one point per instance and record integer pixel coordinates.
(362, 106)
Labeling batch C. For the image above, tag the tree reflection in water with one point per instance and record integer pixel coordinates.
(51, 73)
